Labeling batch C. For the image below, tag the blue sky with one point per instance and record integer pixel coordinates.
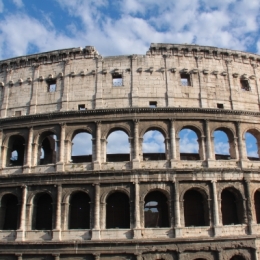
(128, 27)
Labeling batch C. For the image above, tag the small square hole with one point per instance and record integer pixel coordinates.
(81, 107)
(51, 85)
(18, 113)
(153, 104)
(185, 79)
(117, 80)
(221, 106)
(244, 85)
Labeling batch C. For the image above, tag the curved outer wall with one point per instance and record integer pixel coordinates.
(189, 86)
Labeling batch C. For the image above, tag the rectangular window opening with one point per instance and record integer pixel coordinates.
(153, 104)
(51, 85)
(18, 113)
(221, 106)
(244, 85)
(117, 80)
(185, 79)
(81, 107)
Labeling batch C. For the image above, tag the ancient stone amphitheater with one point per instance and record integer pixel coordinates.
(138, 205)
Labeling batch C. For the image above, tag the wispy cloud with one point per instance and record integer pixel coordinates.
(188, 141)
(153, 142)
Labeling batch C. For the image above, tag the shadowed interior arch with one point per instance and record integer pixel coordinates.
(257, 206)
(47, 148)
(194, 209)
(15, 152)
(79, 212)
(42, 212)
(9, 217)
(237, 257)
(156, 212)
(117, 211)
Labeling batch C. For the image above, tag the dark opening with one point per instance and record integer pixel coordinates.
(117, 80)
(185, 79)
(51, 85)
(153, 104)
(15, 154)
(237, 257)
(156, 210)
(79, 216)
(9, 212)
(48, 151)
(194, 212)
(43, 212)
(221, 106)
(245, 85)
(81, 107)
(118, 211)
(229, 208)
(257, 206)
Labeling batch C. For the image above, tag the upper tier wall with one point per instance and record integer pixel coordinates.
(83, 77)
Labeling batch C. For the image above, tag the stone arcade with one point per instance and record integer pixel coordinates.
(139, 205)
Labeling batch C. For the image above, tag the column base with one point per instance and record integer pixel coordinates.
(96, 166)
(211, 163)
(217, 231)
(135, 164)
(26, 169)
(244, 163)
(20, 235)
(56, 235)
(178, 232)
(137, 233)
(60, 167)
(173, 163)
(95, 234)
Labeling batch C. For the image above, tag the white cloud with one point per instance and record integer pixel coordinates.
(82, 144)
(117, 142)
(18, 3)
(221, 148)
(153, 142)
(188, 142)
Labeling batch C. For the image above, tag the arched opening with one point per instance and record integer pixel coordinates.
(47, 148)
(252, 138)
(156, 210)
(9, 212)
(224, 144)
(79, 213)
(231, 210)
(118, 149)
(15, 152)
(118, 211)
(42, 215)
(189, 145)
(237, 257)
(194, 209)
(257, 206)
(154, 146)
(81, 148)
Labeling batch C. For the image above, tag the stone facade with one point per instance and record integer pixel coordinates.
(172, 87)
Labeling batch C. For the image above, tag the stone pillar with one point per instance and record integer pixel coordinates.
(60, 163)
(96, 230)
(28, 163)
(139, 256)
(241, 145)
(21, 231)
(256, 254)
(97, 256)
(136, 160)
(202, 151)
(66, 85)
(56, 256)
(134, 77)
(210, 155)
(4, 159)
(19, 256)
(249, 206)
(178, 232)
(99, 83)
(217, 228)
(57, 230)
(35, 86)
(137, 231)
(1, 142)
(173, 142)
(97, 163)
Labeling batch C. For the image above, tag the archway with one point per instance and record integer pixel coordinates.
(156, 210)
(118, 211)
(79, 212)
(118, 149)
(154, 146)
(9, 212)
(257, 206)
(252, 144)
(15, 152)
(81, 148)
(194, 209)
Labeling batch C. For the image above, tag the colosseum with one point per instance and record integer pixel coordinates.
(170, 205)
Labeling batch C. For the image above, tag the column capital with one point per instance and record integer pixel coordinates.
(62, 124)
(24, 186)
(214, 181)
(136, 121)
(96, 184)
(172, 120)
(98, 122)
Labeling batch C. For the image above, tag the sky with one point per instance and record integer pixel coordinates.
(126, 26)
(122, 27)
